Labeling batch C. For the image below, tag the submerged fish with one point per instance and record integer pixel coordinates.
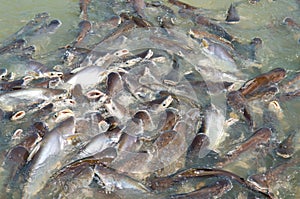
(214, 190)
(19, 99)
(261, 136)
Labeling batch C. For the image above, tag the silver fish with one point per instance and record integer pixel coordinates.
(18, 99)
(49, 157)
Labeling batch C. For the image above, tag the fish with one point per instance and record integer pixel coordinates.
(262, 181)
(123, 28)
(84, 27)
(114, 84)
(286, 149)
(213, 27)
(113, 180)
(49, 156)
(30, 28)
(19, 99)
(87, 77)
(207, 172)
(16, 44)
(291, 23)
(12, 85)
(49, 28)
(232, 15)
(99, 143)
(79, 173)
(199, 146)
(261, 136)
(213, 190)
(260, 81)
(83, 5)
(218, 50)
(139, 6)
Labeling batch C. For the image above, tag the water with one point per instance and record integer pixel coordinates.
(281, 47)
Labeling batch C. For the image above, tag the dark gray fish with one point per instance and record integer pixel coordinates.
(198, 146)
(232, 15)
(139, 6)
(114, 84)
(8, 86)
(14, 161)
(204, 172)
(263, 181)
(100, 142)
(264, 93)
(30, 28)
(213, 27)
(16, 44)
(261, 136)
(129, 143)
(286, 148)
(123, 28)
(214, 190)
(49, 28)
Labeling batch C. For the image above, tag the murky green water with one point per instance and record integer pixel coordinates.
(281, 45)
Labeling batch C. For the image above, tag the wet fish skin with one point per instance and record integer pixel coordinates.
(207, 172)
(271, 77)
(261, 136)
(213, 28)
(87, 77)
(48, 157)
(100, 142)
(214, 190)
(262, 181)
(18, 99)
(14, 161)
(217, 49)
(9, 86)
(79, 173)
(114, 84)
(113, 180)
(198, 145)
(124, 27)
(49, 28)
(263, 94)
(291, 23)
